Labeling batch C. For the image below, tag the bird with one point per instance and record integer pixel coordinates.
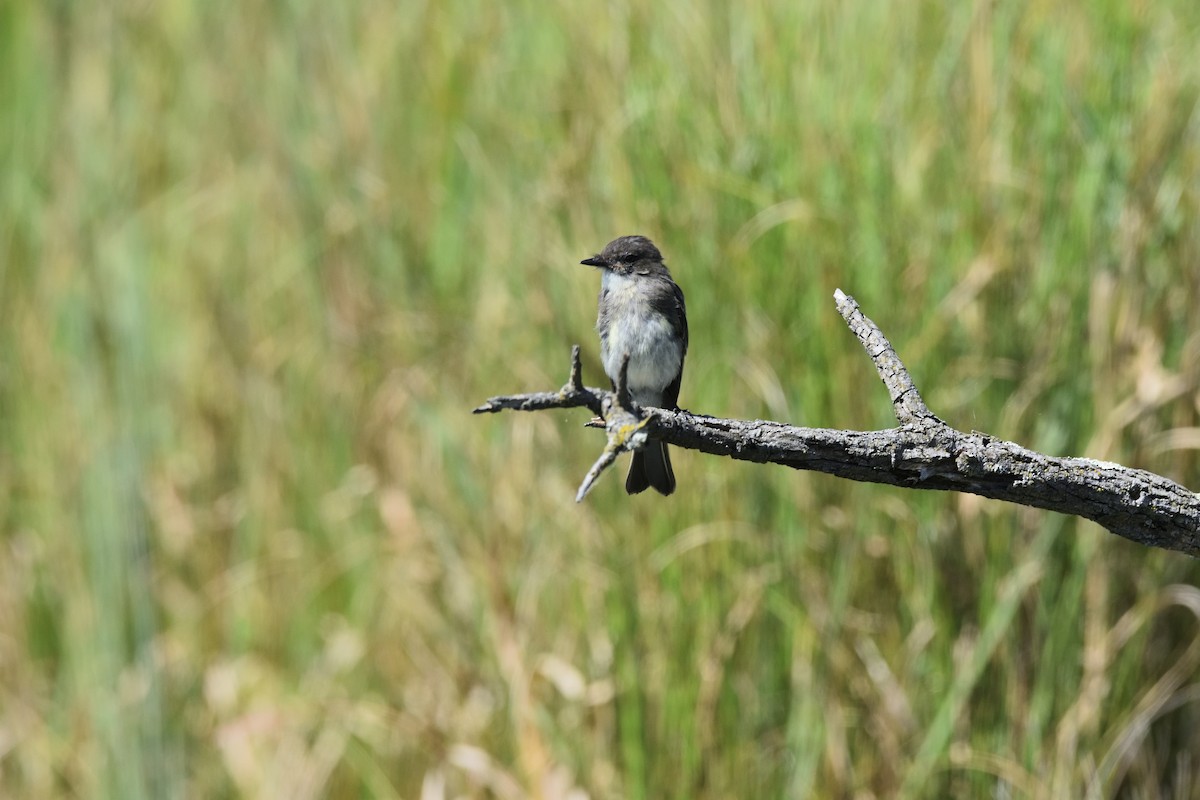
(642, 314)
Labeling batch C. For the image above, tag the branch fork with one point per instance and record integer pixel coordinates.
(624, 421)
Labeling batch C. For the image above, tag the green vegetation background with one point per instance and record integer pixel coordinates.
(258, 262)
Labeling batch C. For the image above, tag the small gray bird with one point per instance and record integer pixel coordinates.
(642, 314)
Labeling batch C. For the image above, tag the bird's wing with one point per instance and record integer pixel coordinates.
(673, 308)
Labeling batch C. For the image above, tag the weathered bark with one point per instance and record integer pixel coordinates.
(922, 453)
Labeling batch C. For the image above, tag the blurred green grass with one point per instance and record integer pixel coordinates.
(257, 264)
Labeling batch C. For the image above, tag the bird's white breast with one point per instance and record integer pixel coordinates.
(655, 351)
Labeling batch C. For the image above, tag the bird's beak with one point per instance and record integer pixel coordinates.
(594, 261)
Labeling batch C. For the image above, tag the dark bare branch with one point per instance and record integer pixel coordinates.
(922, 453)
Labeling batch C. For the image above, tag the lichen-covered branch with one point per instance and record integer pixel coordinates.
(922, 453)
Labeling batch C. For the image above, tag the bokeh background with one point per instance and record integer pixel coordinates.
(259, 261)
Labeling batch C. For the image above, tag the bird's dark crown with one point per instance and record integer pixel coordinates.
(626, 252)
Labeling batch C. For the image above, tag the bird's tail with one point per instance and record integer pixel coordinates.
(651, 466)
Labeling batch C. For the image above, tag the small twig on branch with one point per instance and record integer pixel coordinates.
(573, 394)
(922, 453)
(910, 409)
